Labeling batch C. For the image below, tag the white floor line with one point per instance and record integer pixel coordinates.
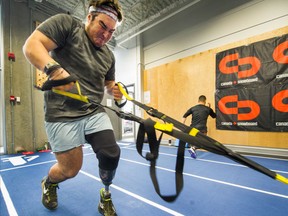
(156, 205)
(214, 180)
(212, 161)
(195, 176)
(29, 165)
(239, 186)
(10, 206)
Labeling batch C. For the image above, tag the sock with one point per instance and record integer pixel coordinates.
(48, 181)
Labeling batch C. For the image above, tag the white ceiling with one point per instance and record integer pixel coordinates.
(152, 19)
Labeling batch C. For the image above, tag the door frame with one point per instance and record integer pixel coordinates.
(2, 88)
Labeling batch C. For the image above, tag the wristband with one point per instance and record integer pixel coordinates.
(50, 67)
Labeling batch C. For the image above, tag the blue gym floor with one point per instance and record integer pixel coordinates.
(213, 186)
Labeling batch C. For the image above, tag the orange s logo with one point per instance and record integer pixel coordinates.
(254, 63)
(252, 105)
(277, 101)
(278, 54)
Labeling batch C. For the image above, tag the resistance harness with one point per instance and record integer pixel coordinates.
(170, 126)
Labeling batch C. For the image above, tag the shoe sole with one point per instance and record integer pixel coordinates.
(101, 211)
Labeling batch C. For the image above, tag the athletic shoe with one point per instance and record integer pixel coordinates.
(192, 152)
(106, 206)
(49, 194)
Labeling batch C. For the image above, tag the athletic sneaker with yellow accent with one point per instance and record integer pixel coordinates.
(106, 206)
(49, 194)
(192, 152)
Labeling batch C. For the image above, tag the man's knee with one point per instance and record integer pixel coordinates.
(70, 173)
(69, 162)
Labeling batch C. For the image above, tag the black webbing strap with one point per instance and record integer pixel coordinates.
(185, 134)
(178, 175)
(49, 84)
(147, 128)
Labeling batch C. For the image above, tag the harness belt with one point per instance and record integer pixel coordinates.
(184, 133)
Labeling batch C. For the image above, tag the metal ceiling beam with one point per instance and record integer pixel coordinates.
(139, 15)
(129, 34)
(142, 13)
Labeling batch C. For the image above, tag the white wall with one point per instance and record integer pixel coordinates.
(243, 22)
(248, 20)
(129, 68)
(126, 65)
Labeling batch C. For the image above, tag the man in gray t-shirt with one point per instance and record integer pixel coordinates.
(63, 46)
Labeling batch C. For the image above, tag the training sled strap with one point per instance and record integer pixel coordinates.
(183, 132)
(193, 136)
(149, 127)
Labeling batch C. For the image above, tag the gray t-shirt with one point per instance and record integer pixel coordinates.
(77, 55)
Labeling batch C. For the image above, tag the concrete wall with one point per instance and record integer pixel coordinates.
(2, 107)
(24, 121)
(17, 78)
(24, 126)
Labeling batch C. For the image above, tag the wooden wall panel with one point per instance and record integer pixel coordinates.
(174, 87)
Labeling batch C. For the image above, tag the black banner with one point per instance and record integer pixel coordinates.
(252, 86)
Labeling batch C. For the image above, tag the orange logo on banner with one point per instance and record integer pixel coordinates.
(252, 105)
(278, 54)
(253, 61)
(277, 101)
